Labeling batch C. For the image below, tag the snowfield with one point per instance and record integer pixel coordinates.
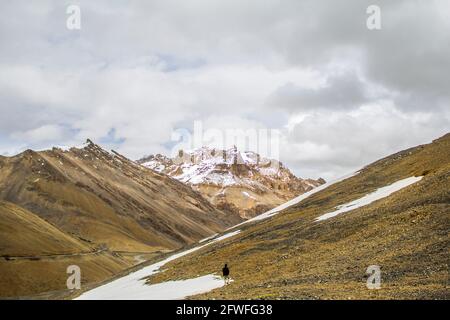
(227, 235)
(133, 287)
(371, 197)
(170, 290)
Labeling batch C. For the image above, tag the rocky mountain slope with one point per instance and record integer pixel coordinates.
(243, 183)
(92, 207)
(321, 247)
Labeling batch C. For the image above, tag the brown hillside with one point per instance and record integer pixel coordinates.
(22, 233)
(34, 255)
(292, 256)
(83, 199)
(103, 197)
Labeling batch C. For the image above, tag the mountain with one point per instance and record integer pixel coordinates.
(90, 207)
(242, 183)
(393, 213)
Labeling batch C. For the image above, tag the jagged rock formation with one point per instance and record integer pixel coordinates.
(243, 183)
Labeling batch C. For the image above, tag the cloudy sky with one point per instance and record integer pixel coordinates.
(340, 95)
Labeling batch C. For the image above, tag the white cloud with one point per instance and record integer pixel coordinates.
(340, 94)
(331, 144)
(42, 134)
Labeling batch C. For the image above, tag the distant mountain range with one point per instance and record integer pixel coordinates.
(242, 183)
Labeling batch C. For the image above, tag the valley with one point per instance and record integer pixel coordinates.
(393, 213)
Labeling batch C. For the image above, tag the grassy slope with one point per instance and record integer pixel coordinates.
(23, 234)
(293, 257)
(46, 275)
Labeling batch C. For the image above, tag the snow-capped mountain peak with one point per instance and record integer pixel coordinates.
(237, 181)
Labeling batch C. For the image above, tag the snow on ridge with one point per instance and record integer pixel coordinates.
(223, 237)
(207, 165)
(380, 193)
(248, 195)
(269, 171)
(226, 236)
(63, 148)
(154, 165)
(246, 156)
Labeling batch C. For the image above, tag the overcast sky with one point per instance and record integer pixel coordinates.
(340, 94)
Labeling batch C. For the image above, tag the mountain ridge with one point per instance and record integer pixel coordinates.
(102, 200)
(242, 183)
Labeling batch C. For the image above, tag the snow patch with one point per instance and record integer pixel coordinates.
(133, 287)
(64, 148)
(371, 197)
(226, 236)
(154, 165)
(176, 290)
(245, 193)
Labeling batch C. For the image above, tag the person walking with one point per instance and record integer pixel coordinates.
(226, 274)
